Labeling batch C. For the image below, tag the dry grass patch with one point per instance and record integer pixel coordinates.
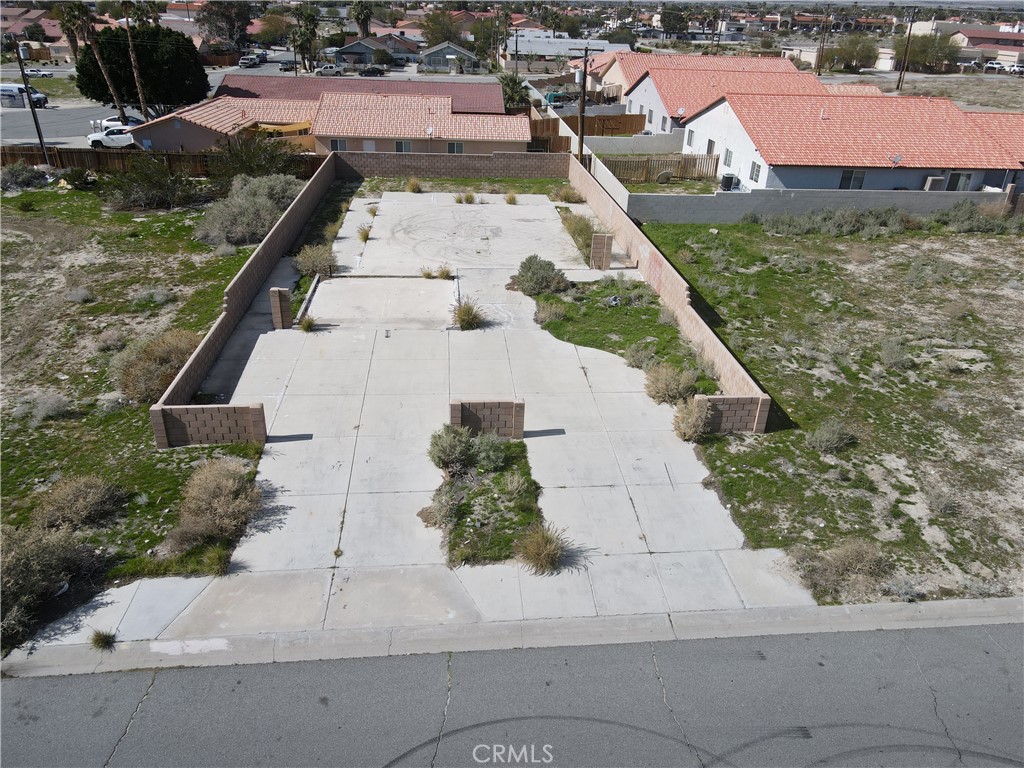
(78, 500)
(542, 548)
(667, 384)
(217, 502)
(145, 368)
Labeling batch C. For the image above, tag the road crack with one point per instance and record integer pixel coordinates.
(444, 719)
(131, 720)
(672, 712)
(935, 704)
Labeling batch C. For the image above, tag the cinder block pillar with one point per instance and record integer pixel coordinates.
(518, 419)
(601, 252)
(455, 414)
(259, 423)
(281, 307)
(156, 418)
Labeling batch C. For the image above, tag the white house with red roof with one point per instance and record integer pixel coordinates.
(824, 141)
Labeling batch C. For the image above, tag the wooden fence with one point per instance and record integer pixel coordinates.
(108, 160)
(644, 170)
(608, 125)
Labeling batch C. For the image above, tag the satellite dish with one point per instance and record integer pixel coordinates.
(896, 159)
(430, 131)
(664, 177)
(681, 111)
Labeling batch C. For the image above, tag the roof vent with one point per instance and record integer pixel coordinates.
(822, 115)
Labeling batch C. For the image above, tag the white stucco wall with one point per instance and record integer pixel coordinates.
(720, 125)
(645, 95)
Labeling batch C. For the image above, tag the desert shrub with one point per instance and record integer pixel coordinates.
(458, 198)
(667, 384)
(373, 210)
(515, 485)
(80, 295)
(640, 294)
(25, 206)
(941, 501)
(831, 436)
(568, 194)
(750, 217)
(467, 315)
(41, 406)
(110, 339)
(444, 272)
(149, 183)
(78, 500)
(692, 418)
(489, 450)
(364, 232)
(537, 275)
(510, 198)
(251, 155)
(413, 185)
(79, 178)
(542, 548)
(154, 296)
(894, 355)
(314, 260)
(102, 640)
(216, 503)
(667, 317)
(827, 574)
(581, 230)
(250, 210)
(640, 355)
(968, 217)
(427, 272)
(307, 324)
(903, 588)
(35, 562)
(145, 368)
(452, 449)
(547, 311)
(20, 175)
(469, 198)
(443, 510)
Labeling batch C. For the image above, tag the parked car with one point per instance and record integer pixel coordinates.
(18, 91)
(34, 72)
(249, 61)
(286, 66)
(112, 138)
(994, 66)
(1015, 69)
(372, 72)
(115, 122)
(328, 70)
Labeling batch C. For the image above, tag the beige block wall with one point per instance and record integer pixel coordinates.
(177, 425)
(732, 411)
(505, 417)
(419, 146)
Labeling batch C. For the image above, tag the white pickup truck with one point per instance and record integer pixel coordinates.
(328, 70)
(112, 138)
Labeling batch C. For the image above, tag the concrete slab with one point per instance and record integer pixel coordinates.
(564, 594)
(471, 377)
(337, 343)
(307, 467)
(656, 458)
(156, 604)
(283, 344)
(104, 613)
(684, 518)
(291, 533)
(486, 345)
(609, 373)
(600, 521)
(384, 303)
(255, 603)
(557, 413)
(408, 377)
(331, 644)
(696, 581)
(537, 344)
(494, 589)
(763, 579)
(398, 597)
(333, 415)
(330, 377)
(552, 376)
(632, 411)
(626, 584)
(409, 417)
(393, 465)
(411, 344)
(576, 459)
(383, 529)
(259, 381)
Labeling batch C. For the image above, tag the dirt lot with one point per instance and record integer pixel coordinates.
(976, 92)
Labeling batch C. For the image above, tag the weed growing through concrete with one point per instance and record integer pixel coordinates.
(102, 640)
(468, 316)
(413, 185)
(542, 548)
(307, 324)
(427, 272)
(372, 210)
(364, 232)
(444, 271)
(510, 198)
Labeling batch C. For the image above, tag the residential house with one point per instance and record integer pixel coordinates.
(990, 45)
(362, 122)
(529, 50)
(669, 97)
(448, 57)
(360, 53)
(1007, 130)
(772, 141)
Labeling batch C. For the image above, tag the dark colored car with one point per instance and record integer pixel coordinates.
(286, 66)
(372, 72)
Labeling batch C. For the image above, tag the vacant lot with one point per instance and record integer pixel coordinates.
(976, 91)
(907, 350)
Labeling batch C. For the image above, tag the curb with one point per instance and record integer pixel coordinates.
(535, 633)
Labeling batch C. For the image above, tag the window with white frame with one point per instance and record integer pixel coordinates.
(851, 179)
(689, 138)
(455, 148)
(403, 146)
(664, 123)
(755, 171)
(727, 159)
(339, 145)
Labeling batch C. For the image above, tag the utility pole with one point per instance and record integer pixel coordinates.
(583, 99)
(906, 51)
(516, 35)
(31, 104)
(818, 60)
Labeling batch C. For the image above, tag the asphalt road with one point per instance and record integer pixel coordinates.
(929, 697)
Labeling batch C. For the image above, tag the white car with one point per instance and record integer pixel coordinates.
(33, 72)
(112, 138)
(328, 70)
(996, 66)
(115, 122)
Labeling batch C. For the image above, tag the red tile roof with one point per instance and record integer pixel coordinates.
(479, 98)
(229, 115)
(693, 91)
(1005, 128)
(866, 132)
(394, 116)
(636, 65)
(984, 34)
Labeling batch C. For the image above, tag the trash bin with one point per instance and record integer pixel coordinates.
(729, 182)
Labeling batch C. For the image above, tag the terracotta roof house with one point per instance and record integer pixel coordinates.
(669, 97)
(483, 98)
(361, 122)
(772, 141)
(1004, 128)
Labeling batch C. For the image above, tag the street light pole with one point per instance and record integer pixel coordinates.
(32, 105)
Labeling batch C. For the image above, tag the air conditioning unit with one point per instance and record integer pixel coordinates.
(934, 183)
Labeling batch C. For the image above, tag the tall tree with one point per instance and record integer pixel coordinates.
(361, 12)
(160, 51)
(439, 27)
(929, 53)
(513, 90)
(132, 13)
(274, 27)
(303, 37)
(674, 22)
(87, 32)
(225, 21)
(70, 16)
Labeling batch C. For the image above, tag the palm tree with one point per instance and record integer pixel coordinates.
(361, 12)
(132, 12)
(83, 27)
(70, 17)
